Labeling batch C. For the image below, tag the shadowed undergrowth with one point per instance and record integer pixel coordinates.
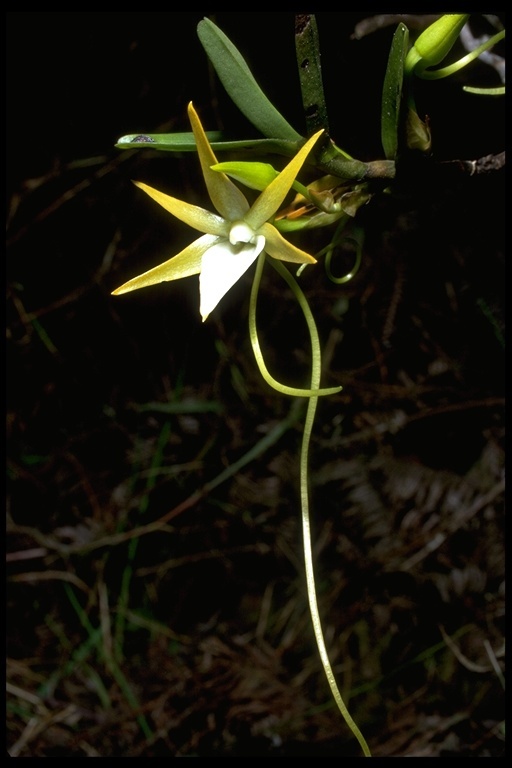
(156, 602)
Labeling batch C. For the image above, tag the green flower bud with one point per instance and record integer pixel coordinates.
(253, 175)
(435, 42)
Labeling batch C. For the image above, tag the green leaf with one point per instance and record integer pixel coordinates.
(240, 84)
(185, 142)
(172, 142)
(392, 92)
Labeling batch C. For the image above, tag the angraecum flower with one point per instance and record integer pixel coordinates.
(232, 238)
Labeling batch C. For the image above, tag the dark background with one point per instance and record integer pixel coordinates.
(193, 638)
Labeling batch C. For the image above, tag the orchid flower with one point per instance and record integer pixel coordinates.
(233, 237)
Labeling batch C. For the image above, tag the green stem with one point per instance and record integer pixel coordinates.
(437, 74)
(253, 333)
(316, 369)
(307, 48)
(124, 595)
(357, 239)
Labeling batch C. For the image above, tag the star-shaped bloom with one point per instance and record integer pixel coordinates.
(233, 237)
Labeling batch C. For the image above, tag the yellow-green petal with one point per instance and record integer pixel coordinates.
(196, 217)
(280, 248)
(226, 197)
(186, 263)
(271, 198)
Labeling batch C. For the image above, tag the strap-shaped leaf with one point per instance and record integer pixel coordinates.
(240, 84)
(172, 142)
(185, 142)
(392, 92)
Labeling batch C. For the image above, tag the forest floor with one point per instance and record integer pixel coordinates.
(156, 601)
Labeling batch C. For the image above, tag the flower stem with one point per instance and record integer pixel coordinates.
(312, 395)
(253, 333)
(316, 369)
